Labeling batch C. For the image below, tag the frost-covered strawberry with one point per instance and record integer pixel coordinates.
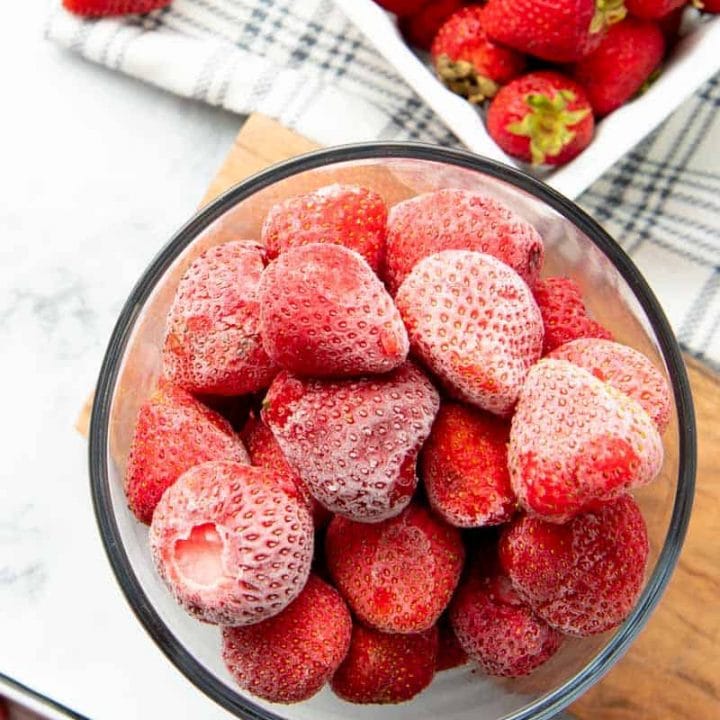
(213, 343)
(346, 215)
(459, 220)
(354, 442)
(576, 441)
(584, 577)
(173, 433)
(324, 313)
(290, 656)
(233, 543)
(399, 575)
(450, 653)
(473, 321)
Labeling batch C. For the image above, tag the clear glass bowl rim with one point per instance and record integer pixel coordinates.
(546, 706)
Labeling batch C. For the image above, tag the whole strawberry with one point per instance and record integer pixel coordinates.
(401, 7)
(652, 9)
(625, 59)
(98, 8)
(709, 6)
(542, 117)
(559, 30)
(468, 62)
(420, 27)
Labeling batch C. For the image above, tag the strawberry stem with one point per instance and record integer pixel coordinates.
(461, 77)
(607, 12)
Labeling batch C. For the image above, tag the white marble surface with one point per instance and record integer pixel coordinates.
(97, 171)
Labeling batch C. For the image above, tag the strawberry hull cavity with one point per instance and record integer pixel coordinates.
(233, 543)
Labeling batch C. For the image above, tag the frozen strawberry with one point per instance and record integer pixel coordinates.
(464, 467)
(473, 321)
(290, 656)
(420, 27)
(265, 452)
(583, 578)
(346, 215)
(468, 62)
(233, 543)
(652, 9)
(386, 669)
(398, 575)
(621, 65)
(564, 314)
(625, 369)
(354, 442)
(459, 220)
(99, 8)
(543, 117)
(450, 654)
(173, 433)
(498, 630)
(325, 313)
(213, 343)
(576, 441)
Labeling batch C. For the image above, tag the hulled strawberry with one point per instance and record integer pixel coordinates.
(652, 9)
(100, 8)
(542, 117)
(617, 70)
(420, 27)
(468, 62)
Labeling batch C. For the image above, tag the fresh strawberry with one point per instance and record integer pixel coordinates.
(652, 9)
(420, 27)
(354, 442)
(100, 8)
(347, 215)
(542, 117)
(213, 343)
(671, 24)
(468, 62)
(564, 314)
(464, 467)
(450, 654)
(265, 452)
(625, 369)
(386, 669)
(708, 6)
(498, 630)
(625, 59)
(576, 441)
(398, 575)
(173, 433)
(401, 7)
(583, 578)
(473, 321)
(459, 220)
(233, 543)
(289, 657)
(323, 312)
(559, 30)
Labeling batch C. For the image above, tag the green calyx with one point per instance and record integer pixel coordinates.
(607, 12)
(461, 77)
(548, 124)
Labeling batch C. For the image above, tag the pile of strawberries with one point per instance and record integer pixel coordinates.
(548, 69)
(433, 456)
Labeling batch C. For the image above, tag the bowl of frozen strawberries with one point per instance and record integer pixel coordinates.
(392, 429)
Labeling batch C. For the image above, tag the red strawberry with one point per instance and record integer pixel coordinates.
(576, 441)
(323, 312)
(709, 6)
(583, 578)
(450, 654)
(346, 215)
(617, 70)
(265, 452)
(233, 543)
(213, 343)
(420, 27)
(542, 117)
(625, 369)
(459, 220)
(671, 23)
(354, 442)
(563, 312)
(289, 657)
(386, 669)
(464, 467)
(401, 7)
(398, 575)
(498, 630)
(97, 8)
(652, 9)
(468, 62)
(560, 30)
(474, 323)
(173, 433)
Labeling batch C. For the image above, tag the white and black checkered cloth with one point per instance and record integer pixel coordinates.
(303, 63)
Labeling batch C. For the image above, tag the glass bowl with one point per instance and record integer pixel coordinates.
(617, 295)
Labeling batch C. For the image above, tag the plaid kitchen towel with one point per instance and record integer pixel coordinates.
(302, 62)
